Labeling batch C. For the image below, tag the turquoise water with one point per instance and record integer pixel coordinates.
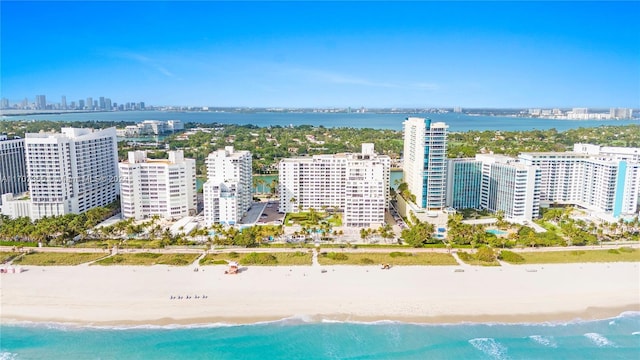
(615, 338)
(496, 232)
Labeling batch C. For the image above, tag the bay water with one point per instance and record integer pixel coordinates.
(456, 121)
(297, 338)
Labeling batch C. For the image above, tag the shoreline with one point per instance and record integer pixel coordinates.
(590, 314)
(137, 296)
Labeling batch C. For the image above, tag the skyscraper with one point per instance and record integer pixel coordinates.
(63, 103)
(464, 183)
(227, 192)
(424, 166)
(13, 172)
(509, 186)
(71, 172)
(89, 104)
(41, 102)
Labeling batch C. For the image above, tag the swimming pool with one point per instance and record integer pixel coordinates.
(496, 232)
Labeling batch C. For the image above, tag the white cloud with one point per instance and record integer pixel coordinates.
(144, 60)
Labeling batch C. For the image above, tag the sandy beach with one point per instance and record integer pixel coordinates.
(132, 295)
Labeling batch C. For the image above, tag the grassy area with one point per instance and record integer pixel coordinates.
(142, 244)
(278, 259)
(305, 219)
(578, 256)
(5, 257)
(149, 259)
(472, 259)
(97, 244)
(392, 258)
(55, 259)
(19, 243)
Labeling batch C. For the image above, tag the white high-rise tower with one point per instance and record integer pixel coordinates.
(227, 192)
(71, 172)
(165, 187)
(425, 161)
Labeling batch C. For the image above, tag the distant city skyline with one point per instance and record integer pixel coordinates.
(324, 54)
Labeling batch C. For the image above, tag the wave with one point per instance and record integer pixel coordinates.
(547, 341)
(306, 319)
(5, 355)
(599, 340)
(490, 347)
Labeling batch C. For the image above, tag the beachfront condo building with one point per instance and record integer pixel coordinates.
(68, 172)
(510, 187)
(605, 180)
(13, 170)
(164, 187)
(227, 192)
(496, 183)
(464, 183)
(356, 183)
(425, 161)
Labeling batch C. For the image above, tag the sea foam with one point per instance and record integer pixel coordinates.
(544, 340)
(599, 340)
(5, 355)
(490, 347)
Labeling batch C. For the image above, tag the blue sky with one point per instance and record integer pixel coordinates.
(315, 54)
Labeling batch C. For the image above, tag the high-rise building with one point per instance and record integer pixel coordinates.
(101, 104)
(5, 103)
(89, 104)
(63, 103)
(510, 187)
(107, 104)
(13, 171)
(495, 183)
(464, 183)
(602, 179)
(357, 183)
(72, 171)
(81, 104)
(41, 102)
(621, 113)
(424, 161)
(227, 192)
(165, 187)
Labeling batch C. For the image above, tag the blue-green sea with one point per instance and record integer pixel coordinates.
(615, 338)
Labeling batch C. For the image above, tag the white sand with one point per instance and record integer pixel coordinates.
(141, 295)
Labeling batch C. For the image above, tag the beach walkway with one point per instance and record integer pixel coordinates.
(314, 259)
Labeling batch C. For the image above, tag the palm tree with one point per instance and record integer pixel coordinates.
(274, 187)
(261, 182)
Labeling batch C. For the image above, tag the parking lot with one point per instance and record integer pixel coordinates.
(270, 213)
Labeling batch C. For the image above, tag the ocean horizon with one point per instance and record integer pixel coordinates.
(457, 122)
(302, 338)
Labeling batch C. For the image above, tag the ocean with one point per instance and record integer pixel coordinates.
(614, 338)
(296, 338)
(456, 121)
